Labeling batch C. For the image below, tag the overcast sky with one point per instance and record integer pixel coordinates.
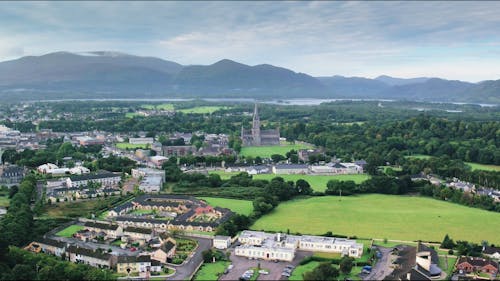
(454, 40)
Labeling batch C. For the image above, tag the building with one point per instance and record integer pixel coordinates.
(472, 264)
(222, 242)
(304, 154)
(492, 252)
(141, 140)
(151, 179)
(158, 160)
(47, 246)
(11, 174)
(111, 230)
(86, 140)
(415, 263)
(104, 178)
(178, 150)
(138, 233)
(258, 137)
(290, 169)
(278, 246)
(165, 252)
(97, 258)
(131, 264)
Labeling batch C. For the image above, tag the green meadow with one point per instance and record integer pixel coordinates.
(477, 166)
(243, 207)
(163, 106)
(383, 216)
(126, 145)
(267, 151)
(318, 183)
(202, 109)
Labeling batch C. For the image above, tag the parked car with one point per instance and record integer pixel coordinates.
(263, 272)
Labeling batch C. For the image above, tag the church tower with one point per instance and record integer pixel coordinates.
(256, 127)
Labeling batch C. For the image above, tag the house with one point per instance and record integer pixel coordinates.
(304, 154)
(111, 230)
(415, 263)
(165, 252)
(158, 160)
(138, 233)
(131, 264)
(222, 242)
(86, 140)
(473, 264)
(289, 169)
(48, 246)
(492, 252)
(97, 258)
(255, 170)
(46, 168)
(104, 178)
(178, 150)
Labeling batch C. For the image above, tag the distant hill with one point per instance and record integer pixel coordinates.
(393, 81)
(104, 74)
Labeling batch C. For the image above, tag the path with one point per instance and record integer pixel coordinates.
(382, 267)
(186, 271)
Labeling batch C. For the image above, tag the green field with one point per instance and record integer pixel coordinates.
(70, 230)
(211, 271)
(318, 183)
(383, 216)
(267, 151)
(132, 114)
(243, 207)
(419, 156)
(163, 106)
(477, 166)
(301, 269)
(126, 145)
(202, 109)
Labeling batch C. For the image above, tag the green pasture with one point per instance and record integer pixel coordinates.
(383, 216)
(268, 150)
(477, 166)
(163, 106)
(243, 207)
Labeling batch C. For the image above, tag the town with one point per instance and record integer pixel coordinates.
(207, 205)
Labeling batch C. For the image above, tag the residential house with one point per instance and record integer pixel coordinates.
(104, 178)
(112, 230)
(473, 264)
(97, 258)
(132, 264)
(178, 150)
(138, 233)
(492, 252)
(48, 246)
(11, 174)
(165, 252)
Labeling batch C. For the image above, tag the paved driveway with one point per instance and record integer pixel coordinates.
(382, 267)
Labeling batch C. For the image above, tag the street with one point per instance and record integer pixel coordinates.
(186, 270)
(382, 267)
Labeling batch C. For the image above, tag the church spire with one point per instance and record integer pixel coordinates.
(256, 127)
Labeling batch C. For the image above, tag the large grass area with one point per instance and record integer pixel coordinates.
(211, 271)
(126, 145)
(301, 269)
(268, 150)
(162, 106)
(202, 109)
(75, 209)
(243, 207)
(477, 166)
(70, 230)
(318, 183)
(384, 216)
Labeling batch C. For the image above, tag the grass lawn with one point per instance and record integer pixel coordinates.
(244, 207)
(318, 183)
(211, 271)
(75, 209)
(126, 145)
(70, 230)
(202, 109)
(477, 166)
(391, 244)
(132, 114)
(4, 201)
(301, 269)
(267, 151)
(163, 106)
(383, 216)
(449, 266)
(142, 212)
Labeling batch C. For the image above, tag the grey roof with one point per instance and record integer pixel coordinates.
(101, 175)
(291, 166)
(138, 230)
(101, 225)
(491, 250)
(88, 253)
(51, 242)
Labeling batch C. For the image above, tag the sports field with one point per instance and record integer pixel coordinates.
(268, 150)
(318, 183)
(126, 145)
(244, 207)
(70, 230)
(477, 166)
(202, 109)
(383, 216)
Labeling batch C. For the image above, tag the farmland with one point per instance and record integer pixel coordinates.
(318, 183)
(268, 150)
(402, 217)
(243, 207)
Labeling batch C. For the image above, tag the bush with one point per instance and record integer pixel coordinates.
(450, 252)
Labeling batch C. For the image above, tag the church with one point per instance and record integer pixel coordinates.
(258, 137)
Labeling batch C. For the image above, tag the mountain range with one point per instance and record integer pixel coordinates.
(105, 74)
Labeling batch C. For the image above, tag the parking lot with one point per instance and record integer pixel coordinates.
(242, 264)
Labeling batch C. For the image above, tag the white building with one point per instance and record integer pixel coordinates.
(222, 242)
(280, 246)
(290, 169)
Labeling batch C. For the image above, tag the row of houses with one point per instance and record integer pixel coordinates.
(279, 246)
(151, 180)
(303, 169)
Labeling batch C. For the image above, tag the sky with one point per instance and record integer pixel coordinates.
(453, 40)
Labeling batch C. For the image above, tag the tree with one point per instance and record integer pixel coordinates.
(324, 271)
(447, 242)
(346, 264)
(303, 187)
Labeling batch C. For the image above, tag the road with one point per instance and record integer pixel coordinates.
(382, 267)
(186, 270)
